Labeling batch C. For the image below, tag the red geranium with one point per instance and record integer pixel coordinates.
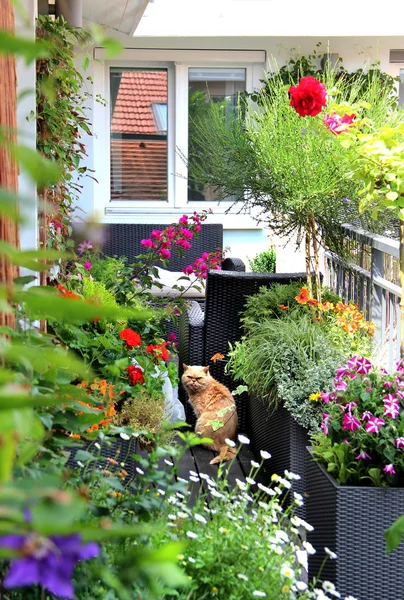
(132, 338)
(135, 374)
(159, 351)
(309, 97)
(303, 296)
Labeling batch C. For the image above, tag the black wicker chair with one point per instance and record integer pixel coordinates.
(202, 334)
(123, 239)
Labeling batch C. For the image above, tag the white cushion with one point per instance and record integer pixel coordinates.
(170, 278)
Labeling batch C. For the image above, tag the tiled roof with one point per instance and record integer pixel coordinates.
(138, 170)
(138, 91)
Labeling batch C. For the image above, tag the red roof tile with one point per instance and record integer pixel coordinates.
(138, 91)
(138, 170)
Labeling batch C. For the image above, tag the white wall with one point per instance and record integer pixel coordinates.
(354, 50)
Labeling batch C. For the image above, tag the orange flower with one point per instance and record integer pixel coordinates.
(217, 357)
(312, 302)
(74, 436)
(340, 307)
(283, 307)
(103, 386)
(303, 296)
(325, 306)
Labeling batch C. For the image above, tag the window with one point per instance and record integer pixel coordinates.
(401, 88)
(219, 85)
(138, 140)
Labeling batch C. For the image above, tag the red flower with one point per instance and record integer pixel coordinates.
(135, 374)
(132, 338)
(309, 97)
(64, 292)
(159, 351)
(303, 296)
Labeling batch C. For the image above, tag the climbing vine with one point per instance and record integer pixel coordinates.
(61, 97)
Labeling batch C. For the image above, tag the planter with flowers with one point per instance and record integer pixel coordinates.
(355, 482)
(290, 352)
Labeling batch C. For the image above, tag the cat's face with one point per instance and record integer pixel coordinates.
(195, 379)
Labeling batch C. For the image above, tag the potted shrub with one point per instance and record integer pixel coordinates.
(355, 484)
(290, 351)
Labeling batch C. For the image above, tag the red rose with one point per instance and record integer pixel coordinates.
(135, 374)
(309, 97)
(132, 338)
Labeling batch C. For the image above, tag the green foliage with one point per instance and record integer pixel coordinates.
(267, 303)
(394, 534)
(264, 262)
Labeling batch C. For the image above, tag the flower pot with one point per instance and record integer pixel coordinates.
(278, 433)
(350, 521)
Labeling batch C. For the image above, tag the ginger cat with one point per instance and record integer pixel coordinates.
(211, 402)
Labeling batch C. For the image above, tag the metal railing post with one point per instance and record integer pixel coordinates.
(376, 302)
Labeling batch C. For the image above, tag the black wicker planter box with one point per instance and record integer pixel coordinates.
(350, 521)
(278, 433)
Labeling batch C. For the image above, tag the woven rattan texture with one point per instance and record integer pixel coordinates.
(350, 521)
(117, 449)
(123, 239)
(277, 433)
(226, 294)
(233, 264)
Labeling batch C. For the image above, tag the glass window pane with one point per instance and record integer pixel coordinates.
(138, 134)
(210, 85)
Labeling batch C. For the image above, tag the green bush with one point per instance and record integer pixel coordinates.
(264, 262)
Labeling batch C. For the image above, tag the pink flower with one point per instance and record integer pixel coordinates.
(389, 470)
(197, 228)
(79, 276)
(325, 423)
(188, 270)
(337, 124)
(156, 234)
(348, 407)
(164, 253)
(366, 415)
(342, 371)
(184, 220)
(183, 244)
(86, 245)
(390, 398)
(391, 409)
(87, 265)
(146, 243)
(374, 425)
(166, 244)
(353, 362)
(170, 233)
(205, 256)
(325, 397)
(172, 337)
(350, 423)
(186, 233)
(363, 366)
(341, 386)
(399, 442)
(363, 456)
(387, 384)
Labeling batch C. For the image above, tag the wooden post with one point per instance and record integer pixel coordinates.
(308, 260)
(9, 231)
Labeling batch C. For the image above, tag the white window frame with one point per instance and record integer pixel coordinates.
(177, 63)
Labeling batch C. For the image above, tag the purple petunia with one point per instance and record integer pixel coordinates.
(350, 423)
(391, 409)
(341, 386)
(324, 424)
(399, 442)
(374, 425)
(363, 366)
(86, 245)
(366, 415)
(363, 456)
(50, 562)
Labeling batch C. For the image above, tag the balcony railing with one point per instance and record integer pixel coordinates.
(371, 280)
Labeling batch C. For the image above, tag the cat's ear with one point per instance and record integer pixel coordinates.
(206, 369)
(185, 367)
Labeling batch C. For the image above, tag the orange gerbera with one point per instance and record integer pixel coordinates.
(283, 307)
(303, 296)
(312, 302)
(325, 306)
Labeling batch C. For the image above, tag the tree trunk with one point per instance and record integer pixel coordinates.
(308, 261)
(9, 230)
(316, 256)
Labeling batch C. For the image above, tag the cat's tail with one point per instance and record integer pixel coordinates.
(225, 453)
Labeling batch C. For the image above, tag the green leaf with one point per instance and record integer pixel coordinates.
(112, 48)
(215, 424)
(31, 259)
(41, 170)
(28, 49)
(394, 534)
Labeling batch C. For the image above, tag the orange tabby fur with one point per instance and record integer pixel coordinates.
(207, 396)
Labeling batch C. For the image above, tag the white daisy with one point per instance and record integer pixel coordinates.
(124, 436)
(250, 481)
(97, 446)
(287, 571)
(230, 443)
(243, 577)
(168, 462)
(290, 475)
(160, 491)
(265, 455)
(139, 470)
(200, 518)
(243, 439)
(259, 594)
(203, 476)
(192, 535)
(265, 489)
(309, 548)
(331, 554)
(193, 473)
(80, 463)
(194, 479)
(182, 515)
(216, 494)
(241, 484)
(255, 464)
(281, 535)
(191, 560)
(301, 586)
